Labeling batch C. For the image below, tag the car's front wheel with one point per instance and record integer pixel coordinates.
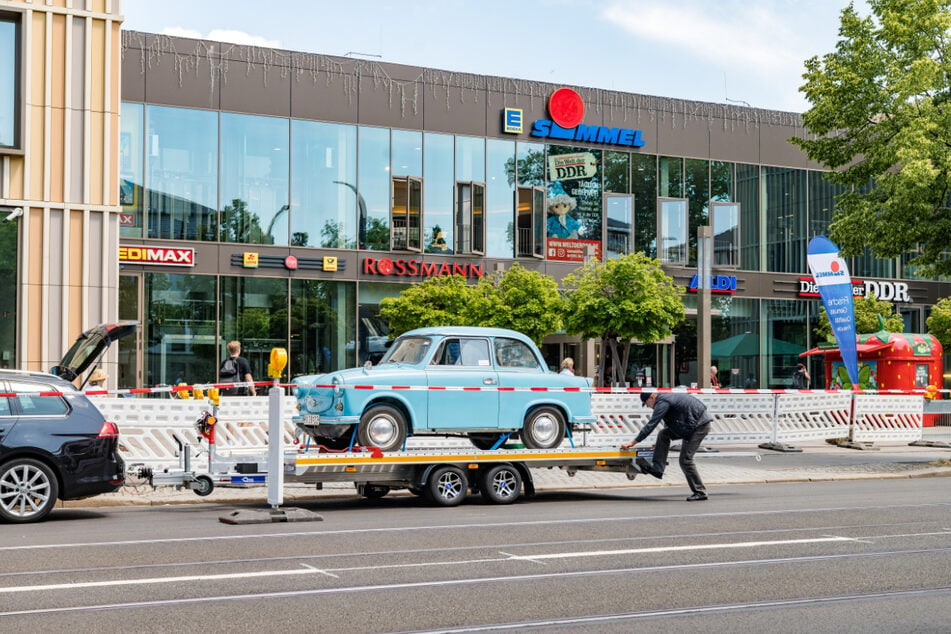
(544, 428)
(382, 426)
(28, 490)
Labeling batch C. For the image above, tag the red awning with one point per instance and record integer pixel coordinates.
(862, 348)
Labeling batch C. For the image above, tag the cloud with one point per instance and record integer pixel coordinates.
(223, 35)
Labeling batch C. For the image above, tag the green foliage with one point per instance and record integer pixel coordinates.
(939, 323)
(867, 311)
(238, 224)
(630, 298)
(438, 301)
(881, 114)
(518, 299)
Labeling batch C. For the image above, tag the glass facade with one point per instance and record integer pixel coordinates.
(10, 106)
(203, 175)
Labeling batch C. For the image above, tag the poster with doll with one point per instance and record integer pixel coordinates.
(573, 225)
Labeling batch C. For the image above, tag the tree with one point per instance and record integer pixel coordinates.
(881, 116)
(239, 224)
(867, 311)
(620, 300)
(519, 299)
(939, 323)
(439, 301)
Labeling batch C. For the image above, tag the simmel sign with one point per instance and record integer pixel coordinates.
(157, 255)
(890, 291)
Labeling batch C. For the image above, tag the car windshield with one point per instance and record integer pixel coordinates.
(407, 350)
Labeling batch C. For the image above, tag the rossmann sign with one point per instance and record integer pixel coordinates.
(566, 109)
(890, 291)
(157, 255)
(407, 267)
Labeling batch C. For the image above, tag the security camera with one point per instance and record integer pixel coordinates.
(15, 212)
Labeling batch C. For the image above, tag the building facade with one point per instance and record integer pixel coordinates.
(276, 197)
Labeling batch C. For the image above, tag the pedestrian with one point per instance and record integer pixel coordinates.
(800, 378)
(714, 381)
(685, 418)
(236, 369)
(568, 366)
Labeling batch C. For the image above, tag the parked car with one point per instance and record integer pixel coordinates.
(456, 358)
(54, 443)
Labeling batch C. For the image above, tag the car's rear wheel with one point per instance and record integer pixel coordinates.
(28, 490)
(544, 428)
(382, 426)
(501, 484)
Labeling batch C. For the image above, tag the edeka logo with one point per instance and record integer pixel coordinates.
(718, 283)
(566, 109)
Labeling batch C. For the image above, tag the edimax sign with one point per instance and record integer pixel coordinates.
(889, 291)
(566, 109)
(157, 255)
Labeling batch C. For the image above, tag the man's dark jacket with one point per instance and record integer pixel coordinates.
(681, 413)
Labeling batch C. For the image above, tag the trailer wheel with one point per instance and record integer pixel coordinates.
(446, 486)
(373, 491)
(544, 428)
(501, 484)
(204, 485)
(382, 426)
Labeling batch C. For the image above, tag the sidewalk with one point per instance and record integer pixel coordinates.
(818, 461)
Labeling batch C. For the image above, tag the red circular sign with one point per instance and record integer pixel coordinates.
(290, 262)
(834, 266)
(566, 107)
(384, 266)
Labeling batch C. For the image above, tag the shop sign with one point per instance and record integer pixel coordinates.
(254, 260)
(566, 109)
(889, 291)
(718, 283)
(157, 255)
(402, 267)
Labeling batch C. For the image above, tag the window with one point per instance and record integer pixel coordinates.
(131, 171)
(10, 74)
(463, 352)
(530, 222)
(5, 407)
(725, 221)
(406, 215)
(470, 218)
(511, 353)
(672, 230)
(620, 214)
(33, 405)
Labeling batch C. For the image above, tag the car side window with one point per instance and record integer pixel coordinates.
(463, 352)
(511, 353)
(35, 405)
(5, 406)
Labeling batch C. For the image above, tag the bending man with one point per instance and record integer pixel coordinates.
(685, 418)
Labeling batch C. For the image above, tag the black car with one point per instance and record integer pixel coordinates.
(54, 443)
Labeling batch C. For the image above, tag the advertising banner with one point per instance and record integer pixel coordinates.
(835, 288)
(573, 227)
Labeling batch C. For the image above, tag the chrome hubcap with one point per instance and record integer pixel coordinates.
(544, 429)
(382, 430)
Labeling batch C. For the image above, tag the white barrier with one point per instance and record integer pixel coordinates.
(152, 430)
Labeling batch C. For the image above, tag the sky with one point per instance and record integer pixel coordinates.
(745, 52)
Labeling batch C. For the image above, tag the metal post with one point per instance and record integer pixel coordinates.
(704, 271)
(275, 447)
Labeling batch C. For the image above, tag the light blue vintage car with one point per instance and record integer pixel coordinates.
(419, 387)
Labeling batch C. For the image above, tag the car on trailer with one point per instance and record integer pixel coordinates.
(488, 384)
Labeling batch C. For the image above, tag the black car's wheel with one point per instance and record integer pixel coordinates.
(544, 428)
(382, 426)
(501, 484)
(28, 490)
(484, 441)
(447, 486)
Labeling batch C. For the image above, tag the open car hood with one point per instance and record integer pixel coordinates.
(89, 348)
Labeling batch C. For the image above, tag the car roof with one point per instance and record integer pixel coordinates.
(448, 331)
(35, 377)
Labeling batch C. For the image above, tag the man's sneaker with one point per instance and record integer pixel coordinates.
(697, 497)
(646, 467)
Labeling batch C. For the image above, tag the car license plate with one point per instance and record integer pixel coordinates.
(311, 419)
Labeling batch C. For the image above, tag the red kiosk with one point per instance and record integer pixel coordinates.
(888, 361)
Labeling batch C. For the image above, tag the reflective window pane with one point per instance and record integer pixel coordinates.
(407, 153)
(181, 173)
(620, 213)
(131, 172)
(747, 194)
(644, 188)
(9, 81)
(322, 326)
(672, 231)
(324, 185)
(470, 159)
(725, 223)
(785, 213)
(254, 179)
(438, 186)
(617, 172)
(374, 187)
(500, 196)
(253, 310)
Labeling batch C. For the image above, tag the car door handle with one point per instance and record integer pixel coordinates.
(489, 381)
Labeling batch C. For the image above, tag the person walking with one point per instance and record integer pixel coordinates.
(568, 366)
(685, 418)
(801, 378)
(236, 369)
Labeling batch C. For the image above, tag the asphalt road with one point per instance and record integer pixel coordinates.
(867, 555)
